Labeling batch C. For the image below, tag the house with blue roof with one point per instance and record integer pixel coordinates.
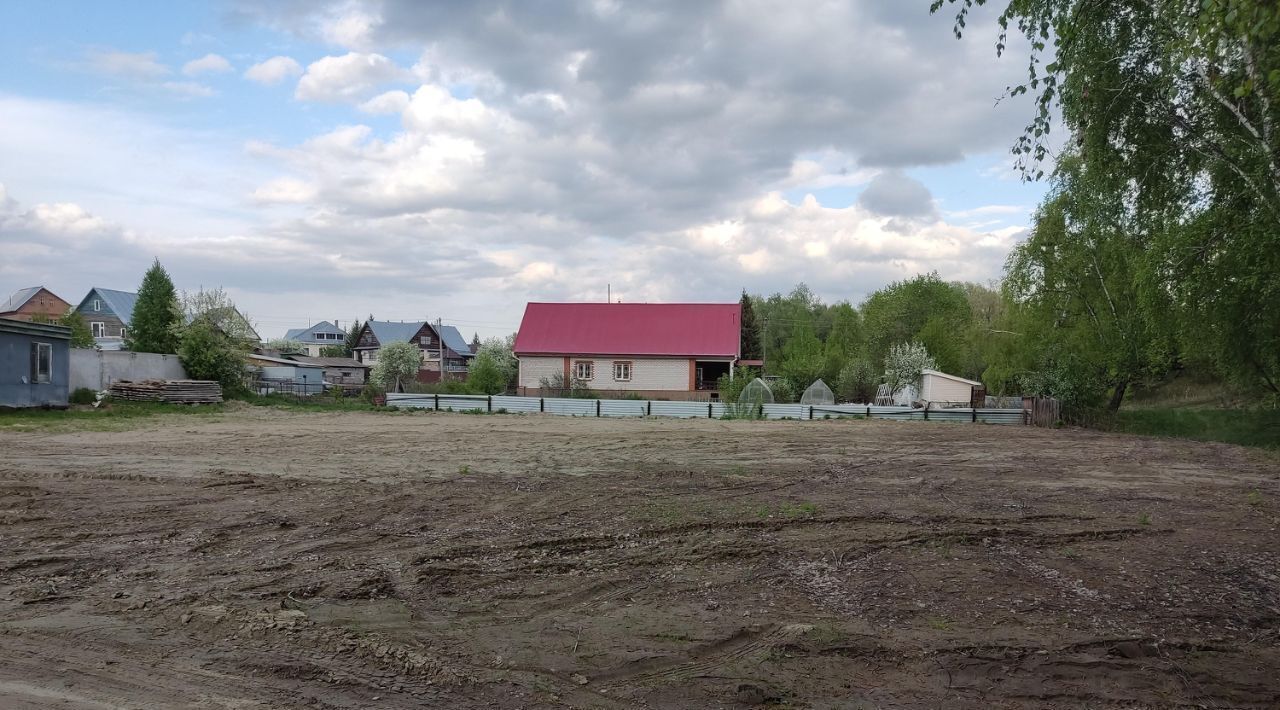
(314, 338)
(445, 353)
(108, 313)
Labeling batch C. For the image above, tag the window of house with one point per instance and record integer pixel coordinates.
(622, 371)
(424, 340)
(584, 370)
(99, 329)
(122, 329)
(97, 305)
(41, 363)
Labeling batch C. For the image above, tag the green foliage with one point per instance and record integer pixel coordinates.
(498, 355)
(334, 351)
(486, 375)
(214, 306)
(857, 381)
(1247, 427)
(784, 392)
(803, 360)
(731, 387)
(911, 310)
(156, 319)
(904, 364)
(81, 335)
(352, 339)
(83, 395)
(397, 364)
(750, 336)
(1160, 245)
(208, 354)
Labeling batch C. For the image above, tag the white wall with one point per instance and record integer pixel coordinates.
(533, 369)
(96, 369)
(662, 374)
(936, 388)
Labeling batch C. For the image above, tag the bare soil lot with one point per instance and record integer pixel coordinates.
(276, 559)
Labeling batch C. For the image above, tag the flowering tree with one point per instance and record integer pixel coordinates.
(905, 363)
(397, 363)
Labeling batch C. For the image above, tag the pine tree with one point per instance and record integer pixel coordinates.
(153, 327)
(353, 339)
(475, 343)
(750, 330)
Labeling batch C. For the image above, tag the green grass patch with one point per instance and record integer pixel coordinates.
(1247, 427)
(318, 403)
(116, 416)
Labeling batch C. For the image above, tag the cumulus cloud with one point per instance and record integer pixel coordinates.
(543, 152)
(208, 64)
(350, 77)
(388, 102)
(894, 194)
(129, 65)
(274, 70)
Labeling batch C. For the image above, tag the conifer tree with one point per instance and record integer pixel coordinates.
(153, 327)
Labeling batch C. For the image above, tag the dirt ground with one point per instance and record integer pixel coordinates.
(264, 559)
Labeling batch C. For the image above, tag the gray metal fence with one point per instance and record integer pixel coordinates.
(691, 410)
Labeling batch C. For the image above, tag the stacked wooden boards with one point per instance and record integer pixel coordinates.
(172, 391)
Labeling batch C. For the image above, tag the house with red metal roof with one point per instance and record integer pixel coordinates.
(672, 351)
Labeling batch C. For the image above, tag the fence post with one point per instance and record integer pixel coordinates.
(975, 414)
(868, 411)
(648, 408)
(491, 404)
(542, 404)
(437, 401)
(811, 412)
(708, 409)
(760, 410)
(597, 407)
(926, 411)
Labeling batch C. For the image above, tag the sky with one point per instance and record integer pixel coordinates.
(413, 160)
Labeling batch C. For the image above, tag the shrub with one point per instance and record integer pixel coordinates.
(208, 354)
(858, 380)
(83, 395)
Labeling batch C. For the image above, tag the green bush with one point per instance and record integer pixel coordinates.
(83, 395)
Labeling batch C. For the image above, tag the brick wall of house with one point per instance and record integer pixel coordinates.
(44, 306)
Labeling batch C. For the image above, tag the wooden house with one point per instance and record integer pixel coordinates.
(108, 313)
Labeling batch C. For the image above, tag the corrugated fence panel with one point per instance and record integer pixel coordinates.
(786, 411)
(571, 407)
(1002, 416)
(683, 410)
(622, 407)
(690, 410)
(516, 404)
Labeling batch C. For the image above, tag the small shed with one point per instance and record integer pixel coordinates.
(278, 375)
(337, 370)
(35, 364)
(940, 388)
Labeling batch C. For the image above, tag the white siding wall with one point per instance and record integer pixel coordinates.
(669, 374)
(533, 369)
(943, 389)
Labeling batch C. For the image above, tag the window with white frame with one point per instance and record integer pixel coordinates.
(97, 305)
(622, 371)
(584, 370)
(99, 329)
(122, 329)
(41, 363)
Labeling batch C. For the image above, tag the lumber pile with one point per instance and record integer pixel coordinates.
(172, 391)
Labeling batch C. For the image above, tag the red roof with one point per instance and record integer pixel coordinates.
(671, 329)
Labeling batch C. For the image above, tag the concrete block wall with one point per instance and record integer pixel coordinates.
(97, 369)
